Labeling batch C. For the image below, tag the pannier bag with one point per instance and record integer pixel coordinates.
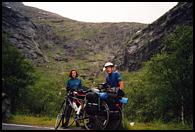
(92, 103)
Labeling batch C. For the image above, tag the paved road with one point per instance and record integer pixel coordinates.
(6, 126)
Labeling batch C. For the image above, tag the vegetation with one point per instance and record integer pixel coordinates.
(32, 120)
(162, 90)
(72, 29)
(160, 94)
(45, 121)
(158, 125)
(43, 98)
(17, 74)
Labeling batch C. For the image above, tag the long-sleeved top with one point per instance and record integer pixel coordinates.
(73, 84)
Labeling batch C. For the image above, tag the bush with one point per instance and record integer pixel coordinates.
(17, 73)
(163, 88)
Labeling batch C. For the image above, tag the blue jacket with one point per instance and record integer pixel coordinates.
(73, 84)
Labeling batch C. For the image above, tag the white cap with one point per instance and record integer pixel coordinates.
(107, 64)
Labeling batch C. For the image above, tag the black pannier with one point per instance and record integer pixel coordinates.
(92, 97)
(92, 103)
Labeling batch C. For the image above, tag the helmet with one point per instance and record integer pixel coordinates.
(107, 64)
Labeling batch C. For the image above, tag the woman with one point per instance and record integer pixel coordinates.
(74, 83)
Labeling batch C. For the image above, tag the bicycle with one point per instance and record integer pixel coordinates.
(75, 101)
(81, 110)
(93, 109)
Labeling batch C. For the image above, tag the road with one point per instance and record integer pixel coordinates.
(6, 126)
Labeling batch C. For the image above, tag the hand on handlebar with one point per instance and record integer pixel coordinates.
(113, 89)
(83, 90)
(103, 86)
(79, 90)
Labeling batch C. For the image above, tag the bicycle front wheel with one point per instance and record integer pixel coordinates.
(69, 116)
(60, 115)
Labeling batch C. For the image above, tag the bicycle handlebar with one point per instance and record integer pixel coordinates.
(107, 88)
(72, 91)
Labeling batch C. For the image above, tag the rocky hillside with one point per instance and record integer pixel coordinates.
(46, 37)
(148, 41)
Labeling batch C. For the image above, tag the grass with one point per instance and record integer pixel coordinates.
(72, 29)
(41, 121)
(32, 120)
(50, 121)
(157, 126)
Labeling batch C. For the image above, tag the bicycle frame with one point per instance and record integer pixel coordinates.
(73, 101)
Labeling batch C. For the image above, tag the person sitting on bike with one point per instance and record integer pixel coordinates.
(74, 83)
(113, 78)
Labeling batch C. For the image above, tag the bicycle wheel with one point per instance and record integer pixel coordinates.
(99, 120)
(60, 115)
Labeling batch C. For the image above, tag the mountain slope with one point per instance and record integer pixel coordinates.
(148, 41)
(47, 37)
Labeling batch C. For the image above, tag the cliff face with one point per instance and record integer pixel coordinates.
(148, 41)
(26, 35)
(44, 36)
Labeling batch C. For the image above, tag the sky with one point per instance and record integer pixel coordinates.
(143, 12)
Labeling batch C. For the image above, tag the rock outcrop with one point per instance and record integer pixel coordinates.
(148, 41)
(26, 35)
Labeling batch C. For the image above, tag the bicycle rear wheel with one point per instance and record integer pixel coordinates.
(98, 120)
(115, 120)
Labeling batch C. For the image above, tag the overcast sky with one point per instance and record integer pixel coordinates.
(143, 12)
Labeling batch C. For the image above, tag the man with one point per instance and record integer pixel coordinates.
(113, 78)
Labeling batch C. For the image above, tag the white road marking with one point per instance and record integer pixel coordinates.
(25, 126)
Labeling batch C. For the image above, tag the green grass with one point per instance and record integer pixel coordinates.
(50, 121)
(41, 121)
(156, 125)
(32, 120)
(72, 29)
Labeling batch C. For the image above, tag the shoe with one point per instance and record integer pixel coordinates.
(65, 125)
(89, 125)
